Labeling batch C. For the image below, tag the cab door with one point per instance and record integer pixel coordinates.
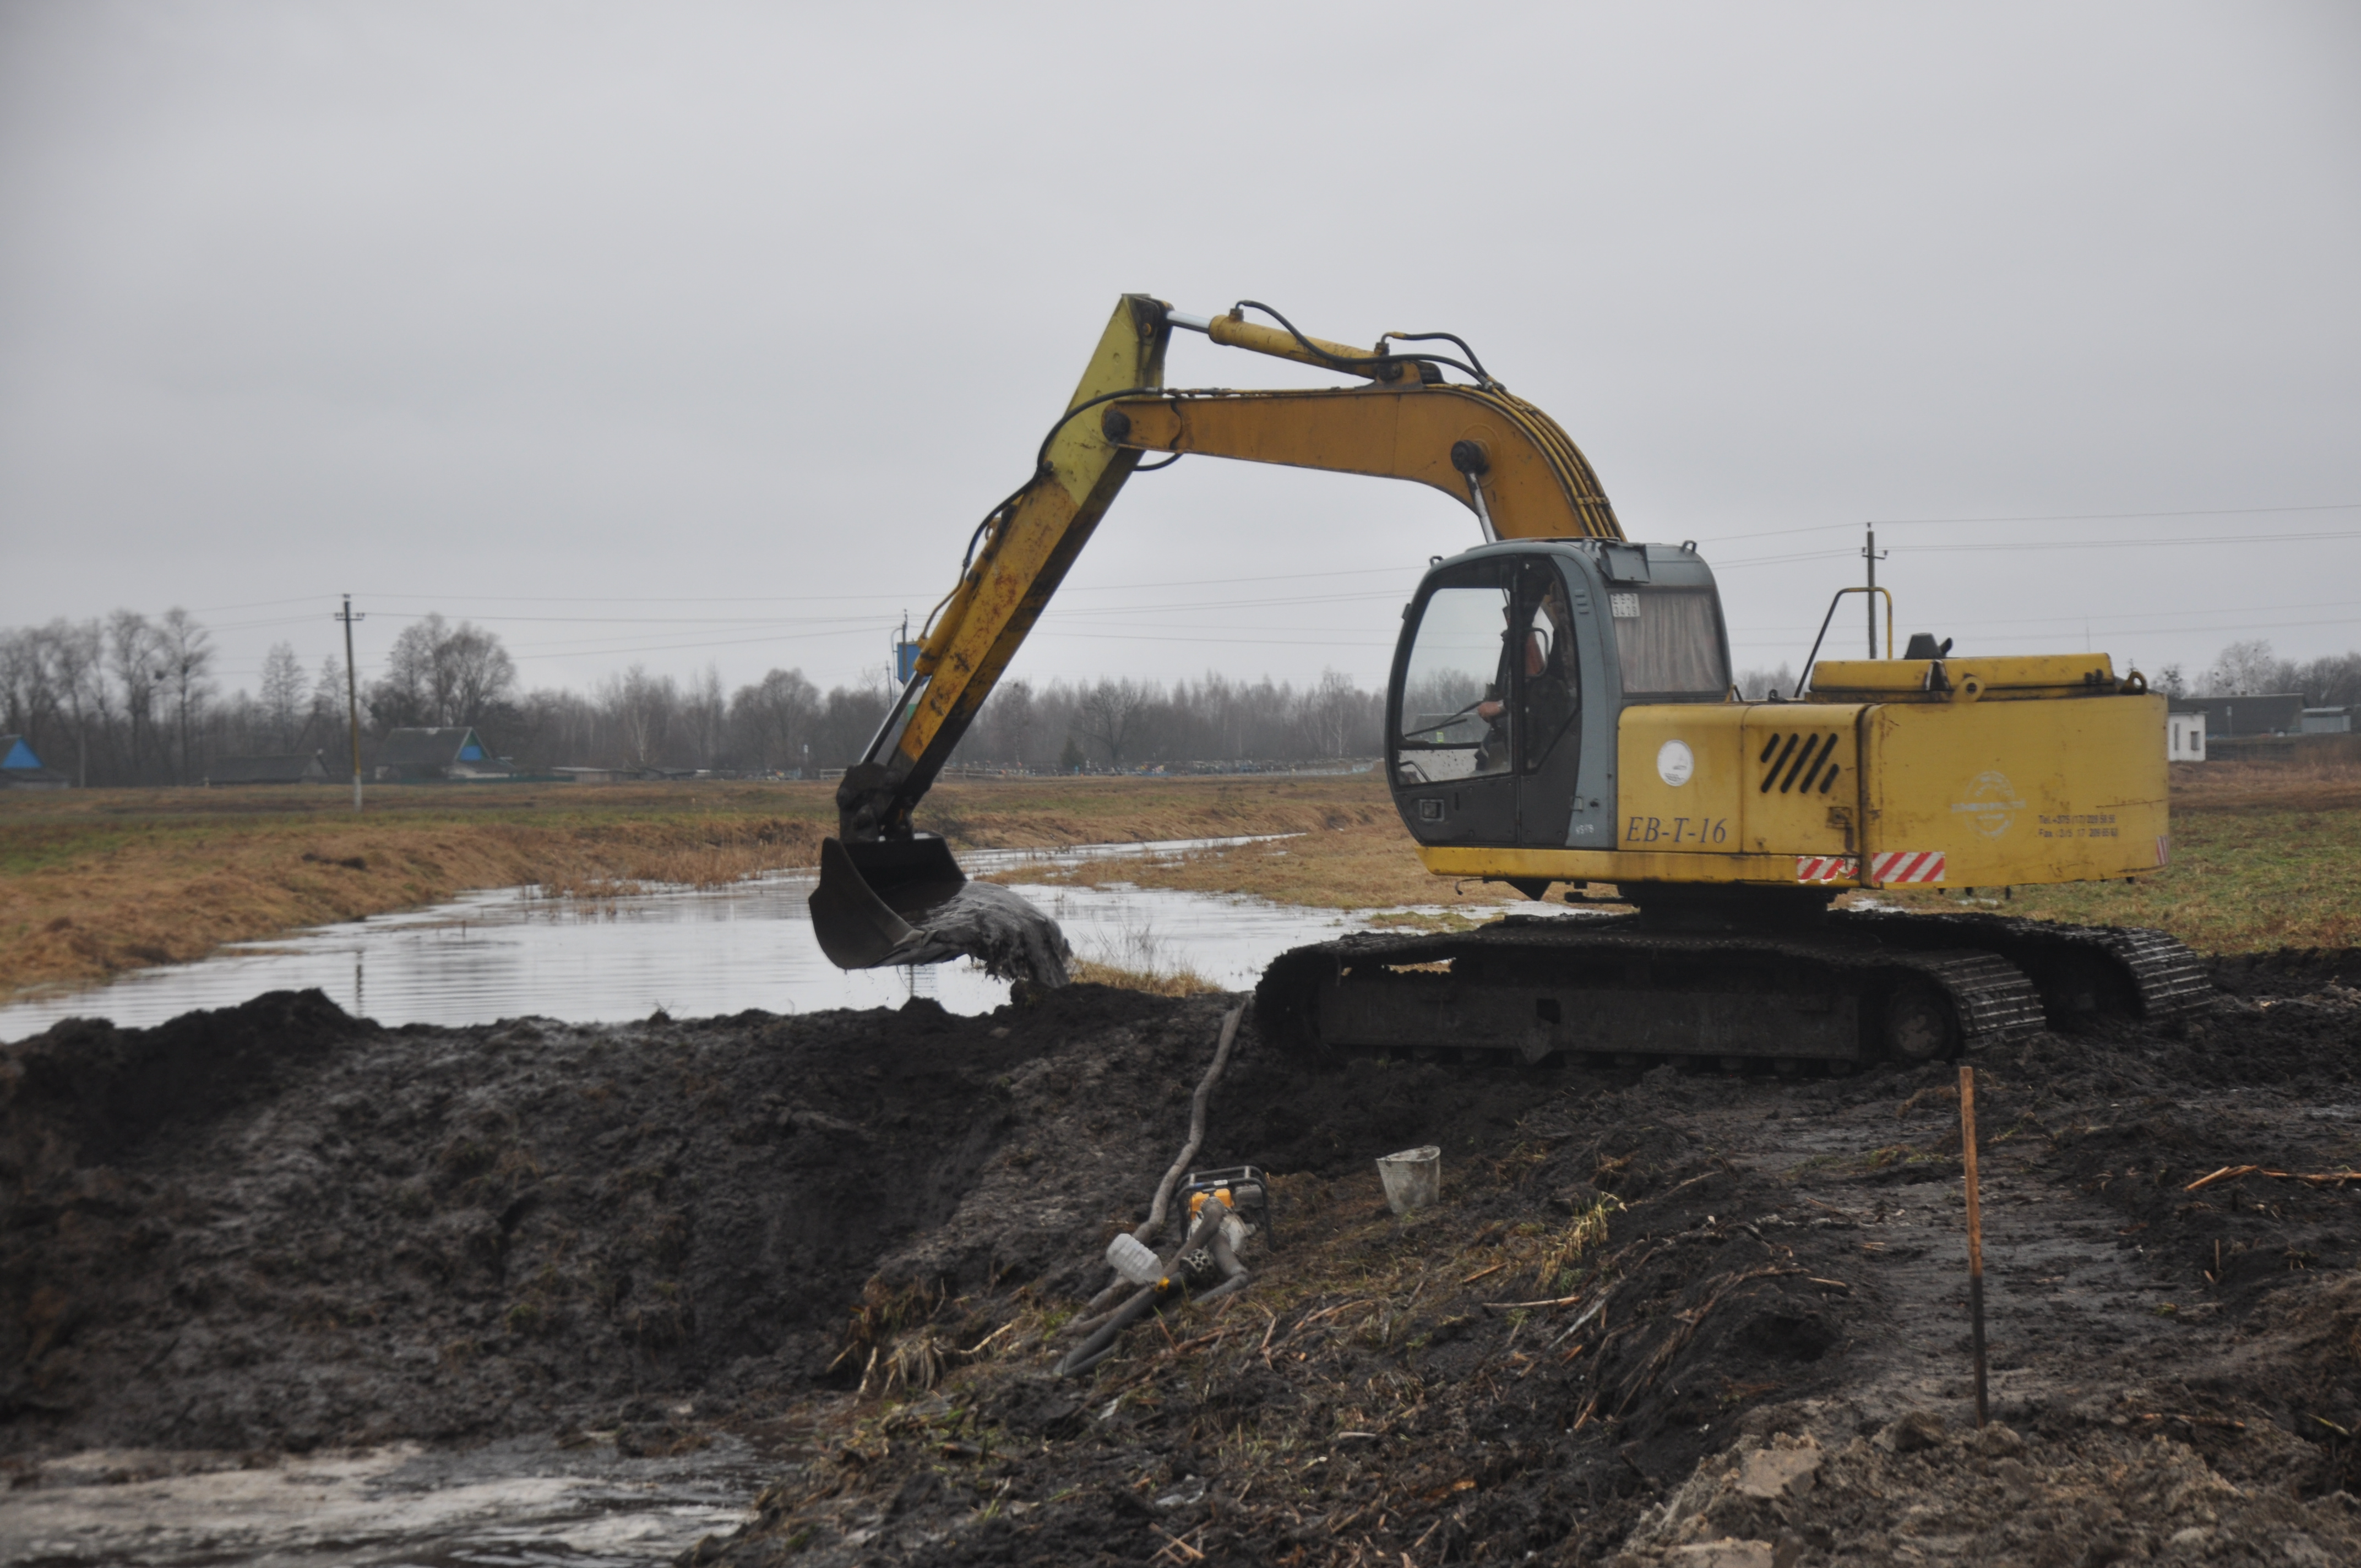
(1547, 682)
(1452, 714)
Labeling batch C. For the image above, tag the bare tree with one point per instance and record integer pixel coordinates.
(77, 659)
(1332, 713)
(438, 674)
(403, 697)
(1013, 706)
(471, 673)
(2247, 669)
(25, 698)
(2332, 682)
(326, 716)
(187, 652)
(776, 714)
(282, 693)
(705, 715)
(137, 657)
(642, 705)
(1110, 714)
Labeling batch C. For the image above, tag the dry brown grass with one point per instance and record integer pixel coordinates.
(103, 880)
(1180, 981)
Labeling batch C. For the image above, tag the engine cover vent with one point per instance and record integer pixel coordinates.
(1799, 763)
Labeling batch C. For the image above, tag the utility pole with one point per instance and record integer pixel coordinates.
(1870, 551)
(352, 695)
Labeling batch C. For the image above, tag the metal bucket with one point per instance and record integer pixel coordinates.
(905, 901)
(1413, 1178)
(872, 897)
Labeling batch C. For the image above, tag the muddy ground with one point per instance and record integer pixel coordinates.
(1660, 1316)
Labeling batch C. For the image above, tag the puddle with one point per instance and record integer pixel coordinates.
(518, 1503)
(505, 952)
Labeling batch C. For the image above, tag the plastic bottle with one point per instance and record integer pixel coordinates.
(1127, 1256)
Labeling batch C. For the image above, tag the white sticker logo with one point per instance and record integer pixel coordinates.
(1675, 762)
(1990, 804)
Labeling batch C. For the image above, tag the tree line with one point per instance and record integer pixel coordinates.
(135, 699)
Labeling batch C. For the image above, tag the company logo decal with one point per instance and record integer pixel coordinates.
(1990, 804)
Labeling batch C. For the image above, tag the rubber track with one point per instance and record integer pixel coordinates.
(2172, 982)
(1981, 962)
(1992, 998)
(2162, 976)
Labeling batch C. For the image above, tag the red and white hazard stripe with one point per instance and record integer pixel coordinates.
(1826, 868)
(1898, 866)
(2163, 849)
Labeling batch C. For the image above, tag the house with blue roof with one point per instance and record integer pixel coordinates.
(449, 751)
(20, 769)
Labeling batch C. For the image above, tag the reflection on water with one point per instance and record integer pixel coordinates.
(506, 953)
(519, 1502)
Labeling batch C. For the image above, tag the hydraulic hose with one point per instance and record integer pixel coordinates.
(1196, 1124)
(1206, 1233)
(1100, 1345)
(1364, 364)
(1154, 1222)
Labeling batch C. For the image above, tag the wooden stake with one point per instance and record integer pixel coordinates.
(1975, 1234)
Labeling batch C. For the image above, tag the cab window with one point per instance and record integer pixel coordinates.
(1455, 718)
(1668, 642)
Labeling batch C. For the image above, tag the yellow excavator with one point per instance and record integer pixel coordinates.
(1560, 713)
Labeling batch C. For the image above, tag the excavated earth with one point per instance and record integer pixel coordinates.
(1659, 1317)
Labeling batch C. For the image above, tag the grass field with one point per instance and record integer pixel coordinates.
(103, 880)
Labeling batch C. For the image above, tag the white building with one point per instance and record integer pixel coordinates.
(2184, 737)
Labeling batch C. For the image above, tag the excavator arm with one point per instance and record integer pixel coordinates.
(1495, 455)
(1506, 461)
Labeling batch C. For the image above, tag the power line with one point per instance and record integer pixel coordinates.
(1406, 567)
(2242, 538)
(2100, 516)
(2060, 517)
(2216, 540)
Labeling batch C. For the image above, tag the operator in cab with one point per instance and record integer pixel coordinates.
(1547, 660)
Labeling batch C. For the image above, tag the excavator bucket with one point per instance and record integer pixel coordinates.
(905, 901)
(868, 891)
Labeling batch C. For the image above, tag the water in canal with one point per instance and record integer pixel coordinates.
(507, 952)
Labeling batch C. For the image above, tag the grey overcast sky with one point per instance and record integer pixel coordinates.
(704, 331)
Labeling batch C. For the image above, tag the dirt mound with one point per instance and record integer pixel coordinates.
(1653, 1312)
(300, 1228)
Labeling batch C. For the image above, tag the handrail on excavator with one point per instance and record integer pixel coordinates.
(1826, 620)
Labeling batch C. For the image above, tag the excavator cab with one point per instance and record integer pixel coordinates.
(1515, 662)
